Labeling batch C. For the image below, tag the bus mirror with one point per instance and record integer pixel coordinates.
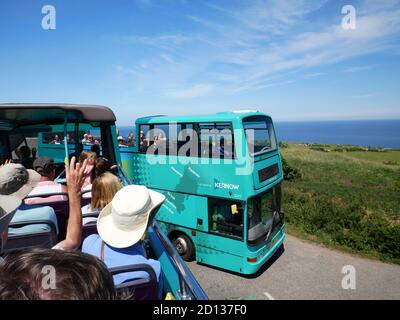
(234, 209)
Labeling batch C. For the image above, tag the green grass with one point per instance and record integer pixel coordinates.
(345, 197)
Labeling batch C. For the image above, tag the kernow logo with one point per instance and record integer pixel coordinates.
(223, 185)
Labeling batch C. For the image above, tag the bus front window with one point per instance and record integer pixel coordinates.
(261, 218)
(260, 135)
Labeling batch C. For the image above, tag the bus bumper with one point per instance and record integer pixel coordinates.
(264, 254)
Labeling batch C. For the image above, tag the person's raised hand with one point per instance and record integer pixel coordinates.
(75, 174)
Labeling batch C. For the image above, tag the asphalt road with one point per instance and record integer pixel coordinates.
(304, 270)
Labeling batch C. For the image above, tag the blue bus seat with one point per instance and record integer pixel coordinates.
(31, 234)
(137, 289)
(61, 209)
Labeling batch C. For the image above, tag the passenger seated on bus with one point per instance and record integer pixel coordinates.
(18, 181)
(70, 139)
(121, 142)
(78, 276)
(84, 140)
(91, 140)
(91, 157)
(75, 178)
(143, 142)
(102, 165)
(121, 226)
(56, 140)
(8, 207)
(45, 167)
(104, 188)
(131, 139)
(24, 155)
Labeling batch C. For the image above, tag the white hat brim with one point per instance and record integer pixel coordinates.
(26, 189)
(117, 238)
(9, 204)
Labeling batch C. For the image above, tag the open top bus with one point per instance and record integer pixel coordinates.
(21, 124)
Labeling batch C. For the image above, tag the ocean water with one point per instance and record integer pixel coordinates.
(373, 133)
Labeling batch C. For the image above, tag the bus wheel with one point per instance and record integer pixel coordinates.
(184, 246)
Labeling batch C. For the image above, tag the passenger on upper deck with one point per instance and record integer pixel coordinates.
(121, 226)
(79, 276)
(121, 142)
(143, 142)
(104, 188)
(8, 207)
(131, 139)
(56, 140)
(45, 167)
(85, 138)
(18, 181)
(24, 155)
(91, 157)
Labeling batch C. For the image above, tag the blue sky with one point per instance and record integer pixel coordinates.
(290, 59)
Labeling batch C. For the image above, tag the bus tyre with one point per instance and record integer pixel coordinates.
(184, 246)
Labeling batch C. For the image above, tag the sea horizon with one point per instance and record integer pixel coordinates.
(369, 133)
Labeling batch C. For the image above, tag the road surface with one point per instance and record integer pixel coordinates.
(304, 270)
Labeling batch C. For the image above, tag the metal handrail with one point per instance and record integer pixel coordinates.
(184, 273)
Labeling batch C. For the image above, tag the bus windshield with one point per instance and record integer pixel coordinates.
(260, 211)
(260, 134)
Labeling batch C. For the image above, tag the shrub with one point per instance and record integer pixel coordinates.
(283, 145)
(289, 172)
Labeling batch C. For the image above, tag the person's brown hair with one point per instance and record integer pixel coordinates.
(104, 188)
(102, 165)
(77, 276)
(90, 155)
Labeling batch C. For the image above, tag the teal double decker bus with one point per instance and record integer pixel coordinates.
(221, 175)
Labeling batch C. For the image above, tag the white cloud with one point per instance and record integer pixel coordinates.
(366, 95)
(191, 92)
(259, 42)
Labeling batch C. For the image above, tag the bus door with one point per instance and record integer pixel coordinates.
(223, 245)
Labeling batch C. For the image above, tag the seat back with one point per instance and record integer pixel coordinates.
(61, 209)
(89, 229)
(137, 289)
(32, 234)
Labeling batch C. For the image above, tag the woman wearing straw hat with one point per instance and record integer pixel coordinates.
(8, 206)
(121, 225)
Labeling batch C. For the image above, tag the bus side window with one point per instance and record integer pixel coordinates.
(161, 138)
(226, 217)
(143, 139)
(216, 140)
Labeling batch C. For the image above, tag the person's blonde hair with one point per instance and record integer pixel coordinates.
(104, 188)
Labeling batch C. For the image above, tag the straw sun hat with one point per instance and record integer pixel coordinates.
(17, 181)
(8, 206)
(123, 221)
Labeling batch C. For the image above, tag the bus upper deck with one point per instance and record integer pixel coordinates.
(19, 121)
(237, 149)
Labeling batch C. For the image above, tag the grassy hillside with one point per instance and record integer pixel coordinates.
(343, 196)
